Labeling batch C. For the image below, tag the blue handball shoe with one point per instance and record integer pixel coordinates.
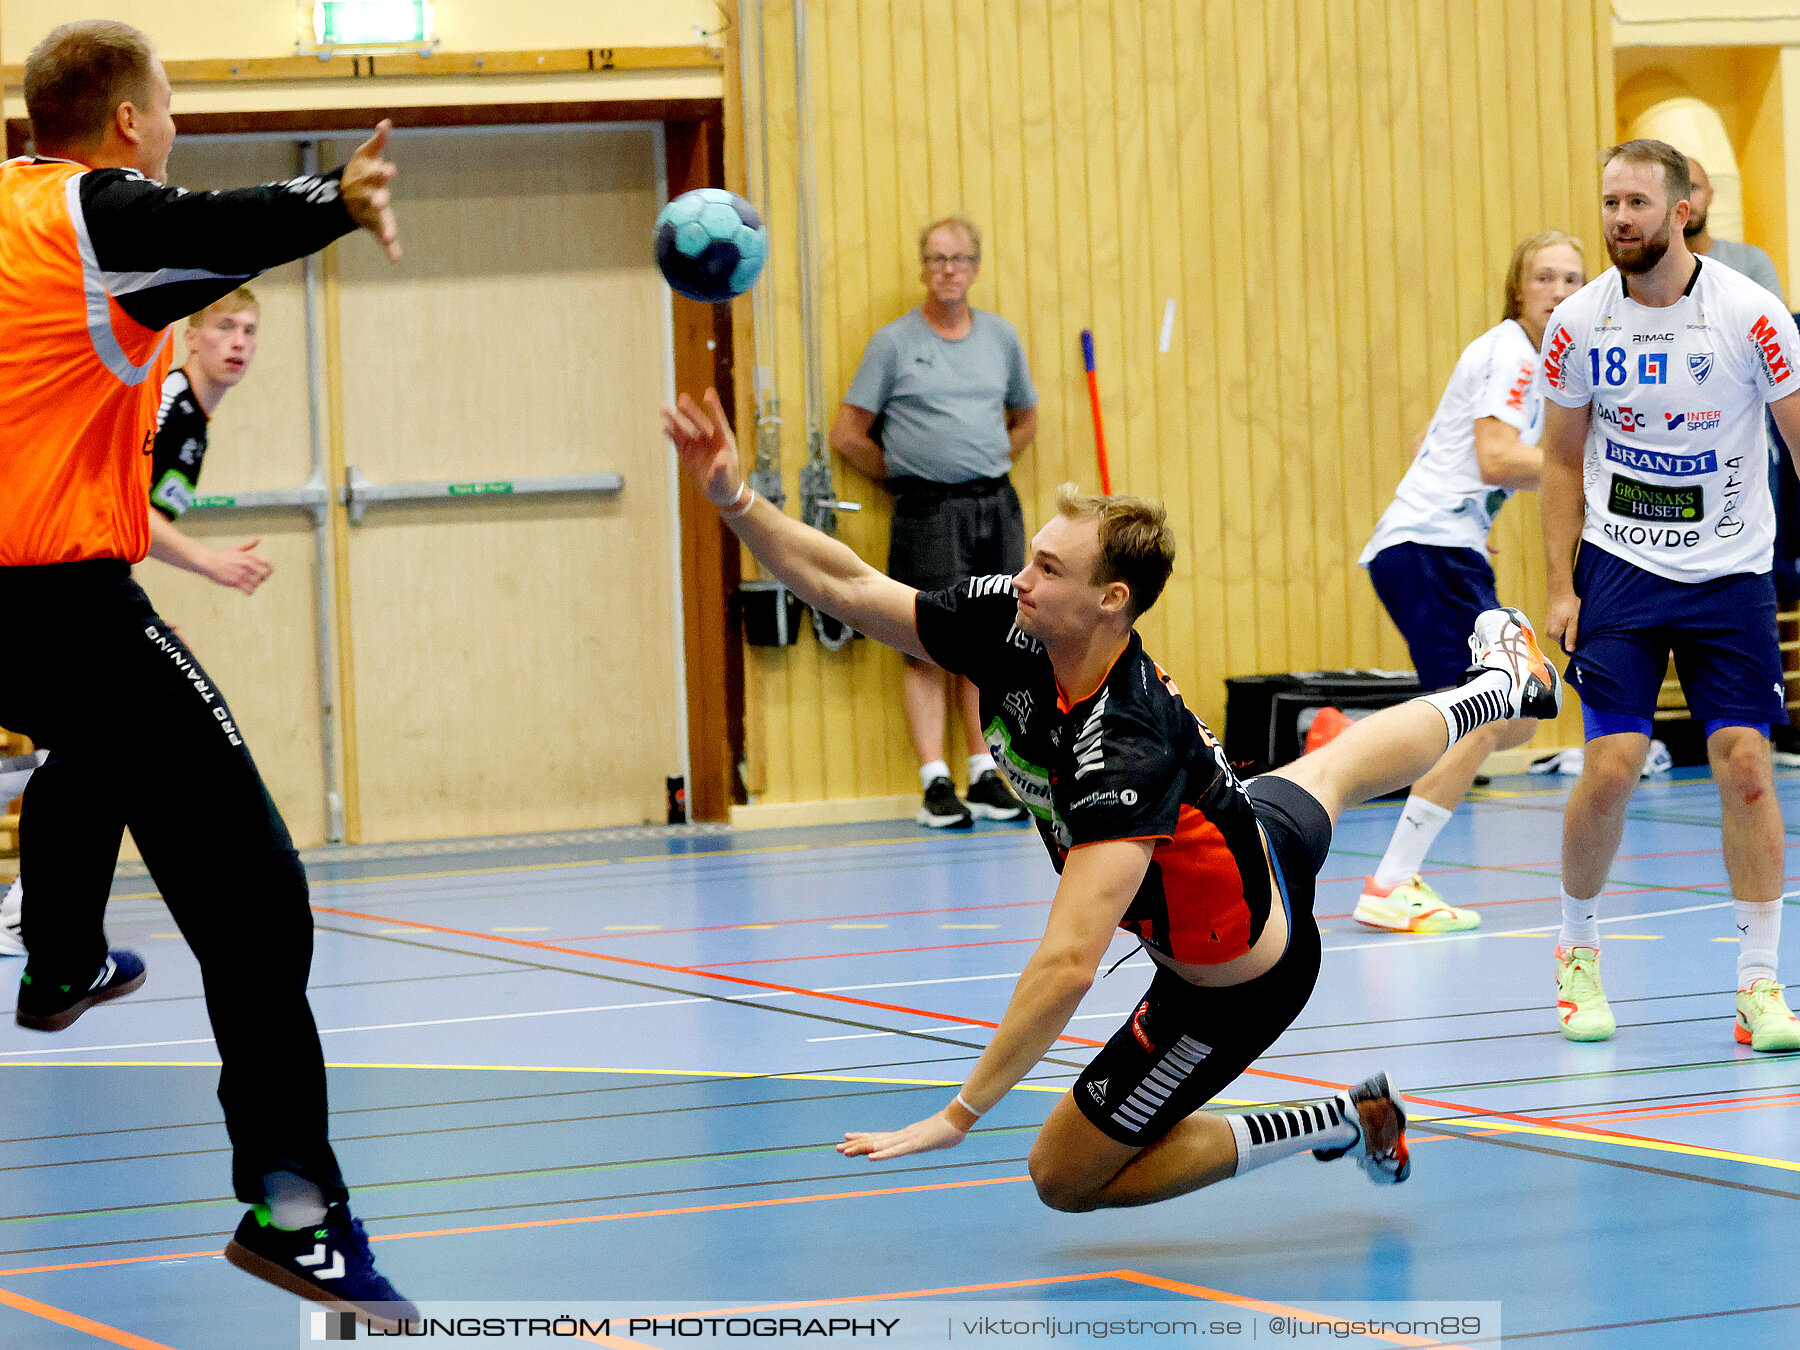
(51, 1007)
(329, 1263)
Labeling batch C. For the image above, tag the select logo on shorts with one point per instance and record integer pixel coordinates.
(1767, 342)
(1654, 501)
(1660, 461)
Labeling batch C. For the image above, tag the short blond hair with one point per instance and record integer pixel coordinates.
(76, 78)
(239, 300)
(1137, 546)
(962, 223)
(1522, 258)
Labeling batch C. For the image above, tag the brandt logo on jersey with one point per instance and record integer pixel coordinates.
(1768, 346)
(1553, 357)
(1661, 461)
(1089, 753)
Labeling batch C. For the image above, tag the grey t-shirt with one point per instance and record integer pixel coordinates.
(1750, 260)
(944, 402)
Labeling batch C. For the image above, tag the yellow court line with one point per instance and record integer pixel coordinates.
(1653, 1145)
(577, 1068)
(1475, 1130)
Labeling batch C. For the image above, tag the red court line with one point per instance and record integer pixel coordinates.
(76, 1322)
(675, 970)
(1457, 1108)
(768, 1203)
(829, 918)
(880, 951)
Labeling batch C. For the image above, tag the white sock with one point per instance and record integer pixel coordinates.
(1581, 922)
(980, 764)
(294, 1202)
(1413, 836)
(1759, 938)
(1264, 1137)
(1486, 698)
(930, 773)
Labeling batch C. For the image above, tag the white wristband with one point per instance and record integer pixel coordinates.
(965, 1106)
(741, 503)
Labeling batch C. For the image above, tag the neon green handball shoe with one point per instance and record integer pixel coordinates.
(1763, 1019)
(1411, 907)
(1581, 1007)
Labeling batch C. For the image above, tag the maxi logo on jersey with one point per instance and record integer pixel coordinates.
(1661, 461)
(1553, 357)
(1768, 346)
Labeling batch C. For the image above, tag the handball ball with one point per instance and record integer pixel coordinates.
(710, 244)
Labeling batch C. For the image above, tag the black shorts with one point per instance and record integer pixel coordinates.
(943, 532)
(1186, 1042)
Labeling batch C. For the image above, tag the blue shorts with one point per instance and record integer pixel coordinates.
(1433, 595)
(1722, 634)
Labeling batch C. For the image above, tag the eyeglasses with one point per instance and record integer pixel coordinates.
(941, 262)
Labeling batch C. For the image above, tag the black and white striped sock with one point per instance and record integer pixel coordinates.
(1268, 1136)
(1487, 698)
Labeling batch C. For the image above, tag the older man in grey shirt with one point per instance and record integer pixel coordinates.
(940, 407)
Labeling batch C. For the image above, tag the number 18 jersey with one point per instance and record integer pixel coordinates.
(1676, 469)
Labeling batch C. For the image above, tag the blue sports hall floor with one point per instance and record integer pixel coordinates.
(611, 1068)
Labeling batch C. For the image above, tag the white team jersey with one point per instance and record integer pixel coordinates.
(1676, 474)
(1442, 499)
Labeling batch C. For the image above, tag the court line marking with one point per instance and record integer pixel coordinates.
(76, 1322)
(769, 1202)
(691, 971)
(1616, 1137)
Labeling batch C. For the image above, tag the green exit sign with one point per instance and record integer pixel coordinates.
(338, 23)
(479, 489)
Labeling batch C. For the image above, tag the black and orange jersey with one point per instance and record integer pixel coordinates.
(1125, 761)
(95, 264)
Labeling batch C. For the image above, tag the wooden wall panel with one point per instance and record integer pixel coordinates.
(1329, 193)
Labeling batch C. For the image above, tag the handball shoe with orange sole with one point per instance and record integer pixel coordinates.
(1504, 640)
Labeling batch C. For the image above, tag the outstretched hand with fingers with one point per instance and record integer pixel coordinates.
(924, 1136)
(705, 446)
(364, 188)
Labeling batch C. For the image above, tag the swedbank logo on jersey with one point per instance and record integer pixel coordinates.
(1659, 461)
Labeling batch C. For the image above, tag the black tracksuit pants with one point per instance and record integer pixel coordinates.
(98, 680)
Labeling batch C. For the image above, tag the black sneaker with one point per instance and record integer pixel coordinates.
(990, 798)
(330, 1264)
(1375, 1108)
(51, 1007)
(942, 809)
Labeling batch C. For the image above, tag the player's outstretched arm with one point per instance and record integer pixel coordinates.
(1564, 509)
(1098, 883)
(364, 188)
(823, 572)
